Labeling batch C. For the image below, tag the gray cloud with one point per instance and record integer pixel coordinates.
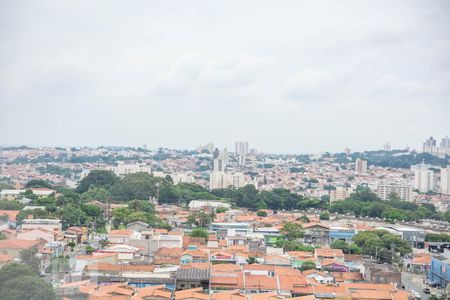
(290, 76)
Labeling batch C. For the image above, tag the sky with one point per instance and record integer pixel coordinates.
(286, 76)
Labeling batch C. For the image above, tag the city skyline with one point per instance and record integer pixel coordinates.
(298, 77)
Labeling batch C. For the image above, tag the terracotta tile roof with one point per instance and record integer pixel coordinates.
(424, 260)
(327, 252)
(369, 286)
(17, 244)
(314, 224)
(169, 252)
(197, 265)
(12, 214)
(95, 255)
(158, 291)
(4, 258)
(228, 295)
(225, 268)
(120, 232)
(116, 268)
(195, 293)
(347, 276)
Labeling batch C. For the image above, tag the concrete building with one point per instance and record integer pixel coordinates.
(430, 146)
(414, 236)
(340, 193)
(221, 180)
(124, 169)
(440, 270)
(199, 204)
(220, 160)
(423, 178)
(387, 147)
(445, 180)
(48, 224)
(241, 150)
(405, 192)
(182, 177)
(361, 165)
(342, 233)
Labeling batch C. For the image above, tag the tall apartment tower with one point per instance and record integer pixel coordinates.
(347, 151)
(361, 165)
(445, 180)
(220, 159)
(387, 147)
(423, 178)
(241, 149)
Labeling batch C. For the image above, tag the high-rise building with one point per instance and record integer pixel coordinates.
(387, 147)
(445, 142)
(404, 192)
(423, 178)
(220, 160)
(347, 151)
(430, 146)
(222, 180)
(445, 180)
(361, 165)
(241, 150)
(340, 193)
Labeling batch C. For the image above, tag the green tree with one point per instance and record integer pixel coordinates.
(27, 287)
(308, 265)
(292, 231)
(72, 215)
(59, 265)
(199, 232)
(11, 205)
(28, 257)
(324, 216)
(251, 260)
(221, 209)
(89, 249)
(382, 244)
(38, 183)
(97, 178)
(136, 186)
(96, 194)
(261, 213)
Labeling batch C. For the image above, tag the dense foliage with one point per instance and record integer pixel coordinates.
(382, 245)
(392, 159)
(366, 203)
(19, 281)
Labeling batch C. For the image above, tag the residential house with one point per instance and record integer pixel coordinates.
(192, 278)
(37, 234)
(122, 236)
(48, 224)
(13, 247)
(382, 274)
(167, 256)
(316, 234)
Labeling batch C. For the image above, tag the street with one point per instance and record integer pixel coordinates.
(415, 282)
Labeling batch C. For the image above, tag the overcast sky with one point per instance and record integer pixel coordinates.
(287, 76)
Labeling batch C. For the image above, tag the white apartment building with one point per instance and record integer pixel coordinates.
(361, 165)
(405, 192)
(48, 224)
(445, 180)
(221, 180)
(423, 178)
(430, 146)
(182, 177)
(123, 169)
(241, 149)
(340, 193)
